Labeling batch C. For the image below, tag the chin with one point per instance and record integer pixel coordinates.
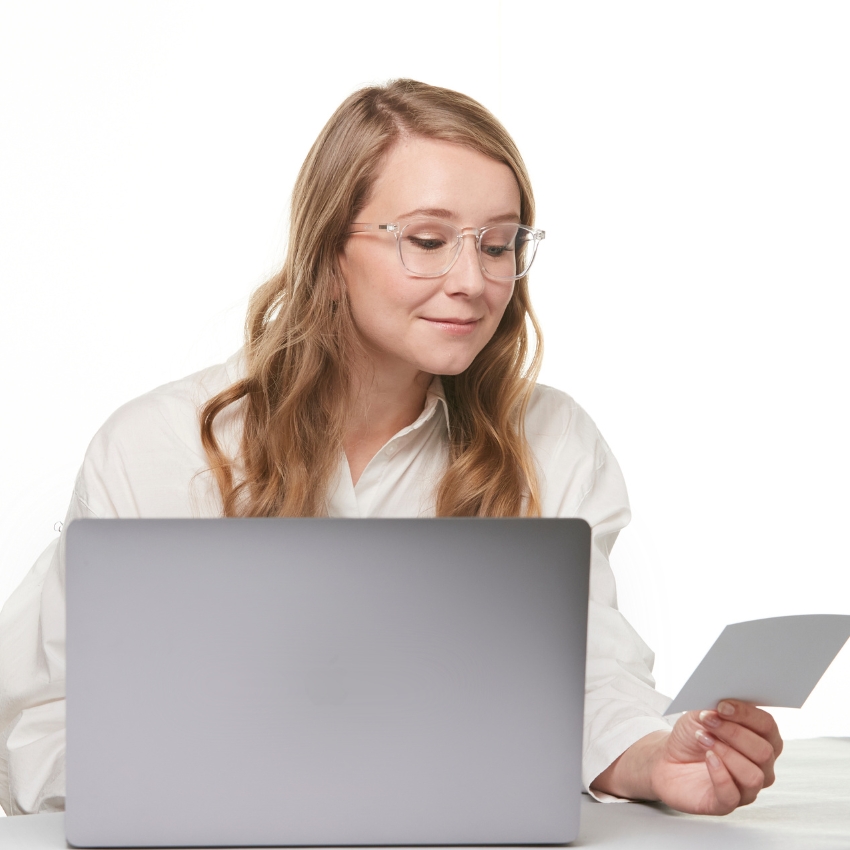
(443, 359)
(452, 371)
(450, 367)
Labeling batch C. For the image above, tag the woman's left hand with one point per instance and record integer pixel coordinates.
(715, 761)
(711, 763)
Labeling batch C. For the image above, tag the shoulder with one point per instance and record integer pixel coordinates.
(553, 417)
(144, 458)
(576, 466)
(170, 411)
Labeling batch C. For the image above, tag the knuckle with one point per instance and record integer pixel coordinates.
(764, 752)
(754, 780)
(722, 749)
(732, 800)
(730, 732)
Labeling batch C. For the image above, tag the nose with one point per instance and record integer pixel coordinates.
(465, 276)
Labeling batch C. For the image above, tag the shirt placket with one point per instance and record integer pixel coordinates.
(349, 500)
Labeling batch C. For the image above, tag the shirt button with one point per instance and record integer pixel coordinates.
(391, 449)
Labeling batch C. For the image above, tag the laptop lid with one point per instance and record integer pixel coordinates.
(325, 681)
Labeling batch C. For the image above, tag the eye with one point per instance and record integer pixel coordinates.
(427, 237)
(499, 242)
(426, 242)
(496, 251)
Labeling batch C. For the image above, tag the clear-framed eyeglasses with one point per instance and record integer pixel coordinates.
(429, 248)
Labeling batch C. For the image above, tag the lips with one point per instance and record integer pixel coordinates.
(454, 326)
(451, 321)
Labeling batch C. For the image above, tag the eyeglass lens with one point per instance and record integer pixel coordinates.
(430, 247)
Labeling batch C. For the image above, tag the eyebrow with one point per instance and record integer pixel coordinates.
(438, 212)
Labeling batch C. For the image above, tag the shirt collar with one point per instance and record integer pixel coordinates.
(435, 399)
(439, 394)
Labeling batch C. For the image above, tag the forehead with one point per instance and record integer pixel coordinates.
(427, 174)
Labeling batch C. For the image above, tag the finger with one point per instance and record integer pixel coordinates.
(747, 777)
(760, 721)
(752, 746)
(682, 745)
(726, 792)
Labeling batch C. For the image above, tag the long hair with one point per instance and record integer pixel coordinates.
(300, 337)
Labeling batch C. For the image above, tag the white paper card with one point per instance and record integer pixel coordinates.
(777, 661)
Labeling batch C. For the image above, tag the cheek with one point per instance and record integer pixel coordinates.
(386, 289)
(499, 300)
(378, 296)
(380, 299)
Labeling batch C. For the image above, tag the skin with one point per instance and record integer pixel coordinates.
(414, 328)
(711, 763)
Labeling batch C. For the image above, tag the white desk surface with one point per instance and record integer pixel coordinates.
(807, 809)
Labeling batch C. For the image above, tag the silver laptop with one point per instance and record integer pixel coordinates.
(271, 682)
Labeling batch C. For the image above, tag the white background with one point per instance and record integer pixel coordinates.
(691, 168)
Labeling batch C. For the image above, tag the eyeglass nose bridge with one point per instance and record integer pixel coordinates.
(475, 232)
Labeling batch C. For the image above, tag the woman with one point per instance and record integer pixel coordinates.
(388, 371)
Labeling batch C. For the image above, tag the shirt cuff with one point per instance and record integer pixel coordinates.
(606, 751)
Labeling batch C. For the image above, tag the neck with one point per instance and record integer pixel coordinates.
(382, 403)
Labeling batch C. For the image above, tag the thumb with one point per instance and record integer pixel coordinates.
(683, 744)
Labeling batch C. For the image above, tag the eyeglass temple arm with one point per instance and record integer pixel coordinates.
(357, 227)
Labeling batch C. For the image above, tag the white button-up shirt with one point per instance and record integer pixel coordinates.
(148, 461)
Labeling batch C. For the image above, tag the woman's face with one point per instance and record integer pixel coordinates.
(435, 325)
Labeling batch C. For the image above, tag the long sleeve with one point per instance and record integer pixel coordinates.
(32, 686)
(146, 460)
(621, 703)
(581, 478)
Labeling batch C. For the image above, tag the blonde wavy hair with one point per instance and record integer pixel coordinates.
(300, 336)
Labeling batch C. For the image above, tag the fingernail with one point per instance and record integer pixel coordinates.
(726, 708)
(705, 739)
(712, 759)
(709, 718)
